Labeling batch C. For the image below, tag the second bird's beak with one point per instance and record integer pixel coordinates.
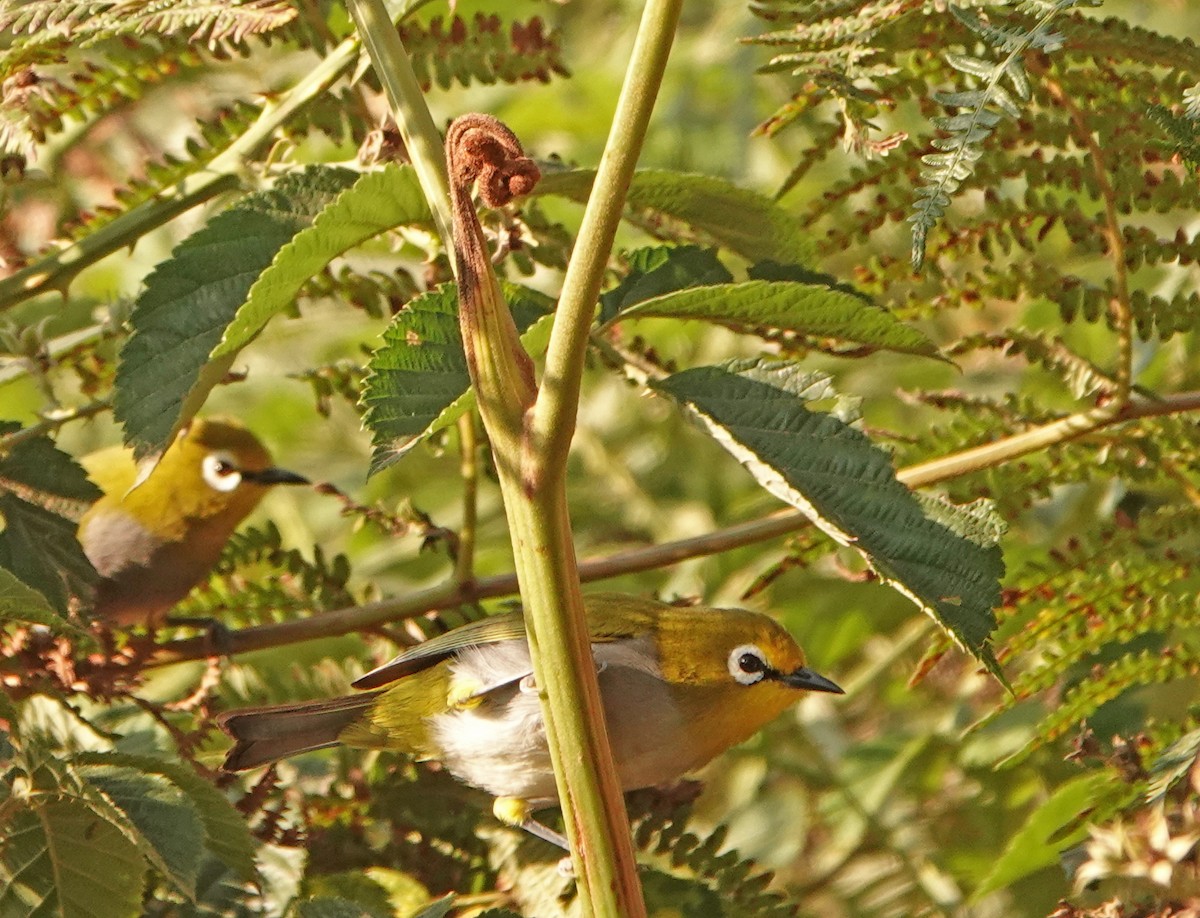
(805, 678)
(273, 476)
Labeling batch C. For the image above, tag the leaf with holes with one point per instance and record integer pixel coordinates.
(758, 411)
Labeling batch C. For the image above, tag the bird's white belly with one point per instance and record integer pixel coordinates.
(499, 744)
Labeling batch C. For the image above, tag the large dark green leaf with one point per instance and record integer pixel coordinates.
(169, 833)
(167, 367)
(225, 832)
(378, 201)
(947, 563)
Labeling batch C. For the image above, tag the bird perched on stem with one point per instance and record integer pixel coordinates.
(679, 685)
(153, 543)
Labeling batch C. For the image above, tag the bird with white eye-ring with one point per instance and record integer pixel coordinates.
(152, 541)
(679, 685)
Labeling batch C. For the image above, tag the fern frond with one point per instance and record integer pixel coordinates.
(483, 50)
(981, 110)
(88, 21)
(1082, 377)
(295, 584)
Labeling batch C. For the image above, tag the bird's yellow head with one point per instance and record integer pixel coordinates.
(215, 468)
(732, 647)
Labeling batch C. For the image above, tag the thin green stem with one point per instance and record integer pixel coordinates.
(223, 173)
(553, 421)
(468, 448)
(421, 137)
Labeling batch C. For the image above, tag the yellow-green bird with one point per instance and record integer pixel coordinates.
(679, 685)
(153, 543)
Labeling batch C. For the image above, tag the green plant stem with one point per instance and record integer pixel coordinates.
(450, 593)
(553, 421)
(223, 173)
(593, 808)
(482, 150)
(421, 137)
(468, 447)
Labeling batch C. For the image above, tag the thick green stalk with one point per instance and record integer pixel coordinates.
(223, 173)
(482, 151)
(606, 872)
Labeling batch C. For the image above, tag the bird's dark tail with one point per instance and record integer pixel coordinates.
(268, 734)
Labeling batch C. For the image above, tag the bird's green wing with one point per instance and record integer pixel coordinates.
(490, 630)
(611, 617)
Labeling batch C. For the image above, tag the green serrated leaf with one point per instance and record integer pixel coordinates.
(847, 486)
(65, 860)
(166, 368)
(439, 909)
(163, 816)
(418, 381)
(226, 834)
(658, 270)
(1040, 841)
(743, 221)
(376, 202)
(807, 309)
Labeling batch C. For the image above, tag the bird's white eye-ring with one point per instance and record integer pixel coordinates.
(220, 472)
(748, 664)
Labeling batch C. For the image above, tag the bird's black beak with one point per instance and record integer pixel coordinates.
(273, 476)
(805, 678)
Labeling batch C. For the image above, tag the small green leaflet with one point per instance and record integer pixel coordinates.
(42, 489)
(1051, 828)
(806, 309)
(745, 222)
(847, 486)
(21, 603)
(418, 381)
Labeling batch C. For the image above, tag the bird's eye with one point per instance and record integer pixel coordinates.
(748, 664)
(221, 472)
